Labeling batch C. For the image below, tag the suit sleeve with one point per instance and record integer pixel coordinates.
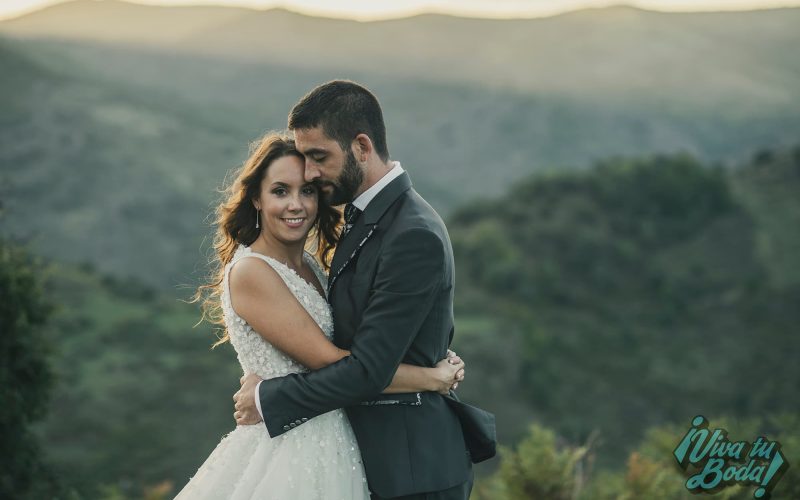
(410, 272)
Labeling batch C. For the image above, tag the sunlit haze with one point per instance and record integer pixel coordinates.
(378, 9)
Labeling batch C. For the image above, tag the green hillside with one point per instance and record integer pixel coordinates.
(770, 190)
(640, 292)
(140, 398)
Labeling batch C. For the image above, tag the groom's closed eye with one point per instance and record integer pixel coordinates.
(316, 154)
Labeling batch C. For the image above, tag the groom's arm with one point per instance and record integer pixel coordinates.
(409, 275)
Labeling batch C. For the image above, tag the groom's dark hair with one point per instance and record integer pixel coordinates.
(344, 109)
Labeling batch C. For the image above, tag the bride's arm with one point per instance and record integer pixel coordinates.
(412, 378)
(441, 378)
(260, 297)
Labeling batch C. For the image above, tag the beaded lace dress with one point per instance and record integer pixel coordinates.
(319, 459)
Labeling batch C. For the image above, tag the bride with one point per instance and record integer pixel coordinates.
(269, 293)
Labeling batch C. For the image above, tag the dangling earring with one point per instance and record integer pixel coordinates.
(257, 212)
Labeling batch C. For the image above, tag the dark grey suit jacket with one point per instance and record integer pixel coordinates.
(391, 292)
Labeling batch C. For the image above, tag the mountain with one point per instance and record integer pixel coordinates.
(119, 21)
(81, 160)
(131, 144)
(740, 59)
(133, 114)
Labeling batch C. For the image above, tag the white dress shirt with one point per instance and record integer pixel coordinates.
(364, 198)
(360, 203)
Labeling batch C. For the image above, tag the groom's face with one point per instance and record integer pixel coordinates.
(335, 171)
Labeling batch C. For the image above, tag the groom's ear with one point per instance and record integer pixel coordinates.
(362, 147)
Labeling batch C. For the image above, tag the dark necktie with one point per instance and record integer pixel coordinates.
(351, 213)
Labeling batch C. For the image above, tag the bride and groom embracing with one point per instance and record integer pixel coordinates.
(370, 336)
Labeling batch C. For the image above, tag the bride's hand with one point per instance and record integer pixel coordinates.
(245, 402)
(448, 373)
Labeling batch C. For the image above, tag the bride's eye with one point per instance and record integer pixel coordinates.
(310, 189)
(279, 191)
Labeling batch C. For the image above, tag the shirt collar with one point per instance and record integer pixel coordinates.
(364, 198)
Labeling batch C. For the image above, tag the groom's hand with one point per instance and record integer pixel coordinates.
(245, 401)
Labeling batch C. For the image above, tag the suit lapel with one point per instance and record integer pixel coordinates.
(348, 249)
(365, 226)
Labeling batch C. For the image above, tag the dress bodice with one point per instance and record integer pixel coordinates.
(255, 354)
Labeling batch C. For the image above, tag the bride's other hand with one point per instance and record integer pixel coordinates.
(447, 374)
(455, 358)
(246, 412)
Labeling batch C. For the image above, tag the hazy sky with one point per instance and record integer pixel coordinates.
(371, 9)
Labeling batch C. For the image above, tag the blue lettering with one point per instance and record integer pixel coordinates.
(709, 478)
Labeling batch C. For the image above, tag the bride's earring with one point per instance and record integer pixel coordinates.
(257, 212)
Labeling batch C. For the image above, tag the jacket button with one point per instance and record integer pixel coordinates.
(292, 425)
(286, 427)
(304, 419)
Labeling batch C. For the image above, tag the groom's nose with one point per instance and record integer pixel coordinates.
(311, 172)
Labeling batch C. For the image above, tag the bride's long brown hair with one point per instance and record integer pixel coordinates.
(236, 223)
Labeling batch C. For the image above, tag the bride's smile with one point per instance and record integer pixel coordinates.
(294, 223)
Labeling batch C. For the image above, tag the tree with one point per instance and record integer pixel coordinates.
(25, 376)
(539, 467)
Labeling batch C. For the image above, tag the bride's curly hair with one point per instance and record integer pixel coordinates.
(236, 222)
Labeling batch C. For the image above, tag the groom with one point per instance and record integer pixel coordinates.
(391, 292)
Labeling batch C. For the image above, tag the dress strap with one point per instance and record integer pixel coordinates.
(287, 274)
(284, 271)
(243, 252)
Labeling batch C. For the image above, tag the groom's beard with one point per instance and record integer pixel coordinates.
(348, 182)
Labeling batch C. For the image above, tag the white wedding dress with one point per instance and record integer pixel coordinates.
(319, 460)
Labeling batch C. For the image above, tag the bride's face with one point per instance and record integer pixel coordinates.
(288, 203)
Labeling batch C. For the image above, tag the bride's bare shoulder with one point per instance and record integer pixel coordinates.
(253, 274)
